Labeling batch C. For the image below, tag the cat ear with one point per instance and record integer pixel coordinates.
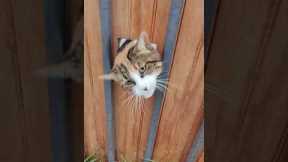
(141, 41)
(110, 76)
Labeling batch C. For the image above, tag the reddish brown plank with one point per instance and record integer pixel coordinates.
(182, 111)
(94, 110)
(120, 28)
(159, 26)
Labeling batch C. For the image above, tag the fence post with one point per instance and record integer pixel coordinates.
(170, 42)
(105, 7)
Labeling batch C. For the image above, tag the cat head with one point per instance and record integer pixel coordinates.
(137, 66)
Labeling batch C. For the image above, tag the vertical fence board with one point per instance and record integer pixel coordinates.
(160, 8)
(267, 90)
(175, 14)
(11, 125)
(94, 110)
(31, 55)
(183, 108)
(159, 28)
(120, 28)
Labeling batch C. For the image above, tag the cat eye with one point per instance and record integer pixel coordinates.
(130, 82)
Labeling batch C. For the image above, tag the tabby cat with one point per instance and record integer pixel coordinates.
(138, 67)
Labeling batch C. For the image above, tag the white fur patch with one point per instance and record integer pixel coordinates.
(145, 86)
(154, 46)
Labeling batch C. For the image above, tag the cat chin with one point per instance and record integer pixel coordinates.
(148, 96)
(140, 93)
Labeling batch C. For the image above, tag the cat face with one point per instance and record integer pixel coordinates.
(137, 66)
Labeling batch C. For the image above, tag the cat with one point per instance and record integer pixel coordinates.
(137, 67)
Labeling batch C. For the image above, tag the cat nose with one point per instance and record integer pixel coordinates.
(141, 74)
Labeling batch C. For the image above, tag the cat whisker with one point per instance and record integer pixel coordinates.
(168, 83)
(162, 77)
(142, 104)
(165, 88)
(163, 81)
(162, 86)
(164, 72)
(129, 101)
(165, 62)
(133, 104)
(160, 89)
(138, 103)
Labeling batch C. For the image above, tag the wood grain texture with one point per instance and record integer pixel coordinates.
(242, 94)
(31, 55)
(120, 28)
(201, 157)
(182, 111)
(94, 109)
(74, 14)
(136, 16)
(263, 129)
(160, 23)
(76, 122)
(246, 110)
(12, 149)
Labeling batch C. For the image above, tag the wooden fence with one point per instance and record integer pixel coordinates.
(180, 116)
